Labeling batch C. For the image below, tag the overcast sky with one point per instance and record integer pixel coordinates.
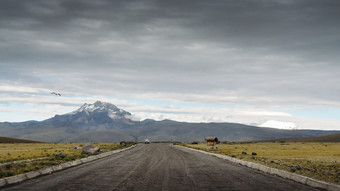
(245, 61)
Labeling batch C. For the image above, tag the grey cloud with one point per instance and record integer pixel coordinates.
(284, 50)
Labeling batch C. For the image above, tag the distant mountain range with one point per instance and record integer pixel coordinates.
(104, 122)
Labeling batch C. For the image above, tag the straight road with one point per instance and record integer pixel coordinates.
(159, 167)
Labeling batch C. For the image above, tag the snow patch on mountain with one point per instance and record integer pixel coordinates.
(112, 114)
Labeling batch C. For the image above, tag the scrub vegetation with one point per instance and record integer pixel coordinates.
(17, 158)
(313, 159)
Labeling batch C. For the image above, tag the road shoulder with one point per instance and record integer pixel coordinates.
(48, 170)
(273, 171)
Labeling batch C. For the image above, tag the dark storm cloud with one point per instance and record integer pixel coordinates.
(259, 51)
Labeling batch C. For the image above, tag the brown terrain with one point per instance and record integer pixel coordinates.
(14, 140)
(326, 138)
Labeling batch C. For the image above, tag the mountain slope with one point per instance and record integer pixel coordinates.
(104, 122)
(326, 138)
(14, 140)
(180, 131)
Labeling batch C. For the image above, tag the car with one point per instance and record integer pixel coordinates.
(147, 141)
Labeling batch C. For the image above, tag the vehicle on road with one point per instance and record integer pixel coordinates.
(147, 141)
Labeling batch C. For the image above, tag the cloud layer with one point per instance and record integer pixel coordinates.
(261, 55)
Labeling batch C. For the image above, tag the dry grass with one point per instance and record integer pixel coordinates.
(317, 160)
(17, 158)
(19, 151)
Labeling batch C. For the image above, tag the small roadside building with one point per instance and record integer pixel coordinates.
(211, 141)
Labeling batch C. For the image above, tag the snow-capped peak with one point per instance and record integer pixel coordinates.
(98, 105)
(112, 111)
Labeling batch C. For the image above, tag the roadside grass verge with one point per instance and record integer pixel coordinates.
(316, 160)
(18, 158)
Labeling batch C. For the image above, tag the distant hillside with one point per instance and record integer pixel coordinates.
(14, 140)
(326, 138)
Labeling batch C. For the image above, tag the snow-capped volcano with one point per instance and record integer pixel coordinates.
(102, 107)
(99, 115)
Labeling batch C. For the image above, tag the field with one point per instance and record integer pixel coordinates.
(17, 158)
(317, 160)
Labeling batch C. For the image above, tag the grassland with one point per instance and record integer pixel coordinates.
(17, 158)
(317, 160)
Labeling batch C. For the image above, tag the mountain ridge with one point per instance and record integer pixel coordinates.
(14, 140)
(105, 122)
(326, 138)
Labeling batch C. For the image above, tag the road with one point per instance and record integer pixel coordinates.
(159, 167)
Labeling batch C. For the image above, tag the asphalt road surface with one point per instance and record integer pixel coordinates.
(159, 167)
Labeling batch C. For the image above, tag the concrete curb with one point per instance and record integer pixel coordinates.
(284, 174)
(48, 170)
